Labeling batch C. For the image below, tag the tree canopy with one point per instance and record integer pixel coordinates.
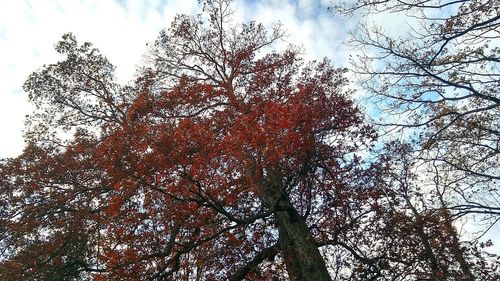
(440, 80)
(225, 160)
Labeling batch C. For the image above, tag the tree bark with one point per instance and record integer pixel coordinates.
(455, 246)
(302, 257)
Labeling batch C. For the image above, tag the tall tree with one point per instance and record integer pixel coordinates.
(440, 80)
(226, 160)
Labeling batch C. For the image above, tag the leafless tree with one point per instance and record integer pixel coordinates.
(439, 81)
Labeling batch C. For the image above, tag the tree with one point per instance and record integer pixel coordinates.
(405, 234)
(441, 82)
(225, 160)
(414, 215)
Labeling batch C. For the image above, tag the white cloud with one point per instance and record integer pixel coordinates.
(29, 30)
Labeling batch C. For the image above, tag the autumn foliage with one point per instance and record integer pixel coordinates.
(225, 160)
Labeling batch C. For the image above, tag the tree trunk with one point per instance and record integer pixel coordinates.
(300, 252)
(455, 246)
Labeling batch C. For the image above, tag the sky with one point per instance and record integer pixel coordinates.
(120, 29)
